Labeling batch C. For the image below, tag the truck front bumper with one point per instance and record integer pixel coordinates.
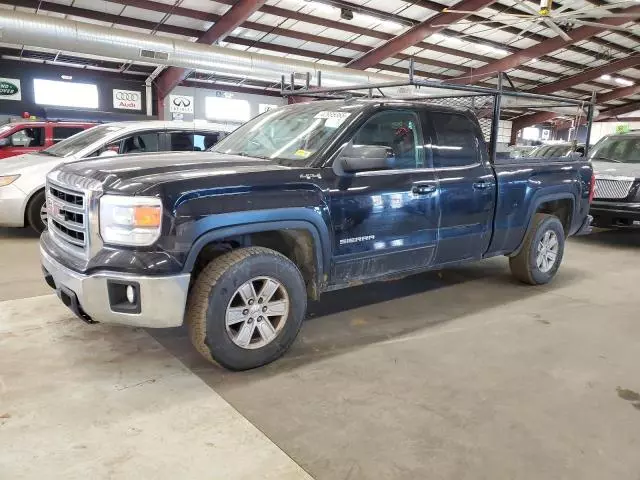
(159, 302)
(616, 214)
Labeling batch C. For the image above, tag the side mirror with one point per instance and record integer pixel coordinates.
(576, 154)
(108, 153)
(5, 142)
(359, 158)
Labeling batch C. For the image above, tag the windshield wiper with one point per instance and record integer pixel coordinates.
(605, 159)
(44, 152)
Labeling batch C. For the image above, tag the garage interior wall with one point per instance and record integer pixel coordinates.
(199, 96)
(105, 82)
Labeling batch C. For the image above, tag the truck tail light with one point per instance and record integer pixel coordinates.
(592, 187)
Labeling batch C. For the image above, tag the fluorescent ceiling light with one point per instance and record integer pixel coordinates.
(623, 81)
(322, 6)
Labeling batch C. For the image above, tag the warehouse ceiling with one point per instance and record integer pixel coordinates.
(596, 52)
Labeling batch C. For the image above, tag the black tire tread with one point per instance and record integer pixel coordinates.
(33, 216)
(198, 299)
(519, 263)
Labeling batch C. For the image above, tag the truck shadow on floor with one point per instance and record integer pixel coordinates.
(611, 238)
(350, 319)
(17, 233)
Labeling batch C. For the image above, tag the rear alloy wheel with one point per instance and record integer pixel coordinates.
(538, 260)
(37, 212)
(246, 307)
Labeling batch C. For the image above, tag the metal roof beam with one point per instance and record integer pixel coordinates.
(547, 46)
(589, 75)
(621, 110)
(235, 16)
(541, 117)
(416, 34)
(303, 17)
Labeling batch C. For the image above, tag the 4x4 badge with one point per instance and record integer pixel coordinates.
(310, 176)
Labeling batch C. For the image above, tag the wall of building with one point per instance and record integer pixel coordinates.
(105, 82)
(190, 103)
(600, 129)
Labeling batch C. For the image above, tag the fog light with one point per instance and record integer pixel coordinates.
(131, 294)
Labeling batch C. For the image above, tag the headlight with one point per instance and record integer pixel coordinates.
(8, 180)
(132, 221)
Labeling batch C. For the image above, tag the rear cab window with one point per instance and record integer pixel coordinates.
(457, 142)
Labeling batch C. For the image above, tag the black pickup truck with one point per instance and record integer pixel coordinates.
(302, 200)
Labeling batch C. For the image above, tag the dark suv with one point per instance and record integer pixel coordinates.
(616, 162)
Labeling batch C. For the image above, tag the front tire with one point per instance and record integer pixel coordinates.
(37, 212)
(246, 308)
(541, 254)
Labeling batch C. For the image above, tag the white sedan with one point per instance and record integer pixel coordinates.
(22, 178)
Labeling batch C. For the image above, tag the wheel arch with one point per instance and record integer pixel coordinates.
(299, 240)
(563, 204)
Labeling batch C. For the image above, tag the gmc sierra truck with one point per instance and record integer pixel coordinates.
(299, 201)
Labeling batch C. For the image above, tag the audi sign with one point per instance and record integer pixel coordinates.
(127, 100)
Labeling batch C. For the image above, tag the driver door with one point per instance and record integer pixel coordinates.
(385, 221)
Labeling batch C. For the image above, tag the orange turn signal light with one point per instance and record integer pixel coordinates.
(147, 216)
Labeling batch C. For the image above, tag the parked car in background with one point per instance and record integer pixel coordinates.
(557, 150)
(304, 199)
(616, 162)
(29, 136)
(22, 178)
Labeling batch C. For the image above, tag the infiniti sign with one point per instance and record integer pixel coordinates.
(127, 100)
(180, 104)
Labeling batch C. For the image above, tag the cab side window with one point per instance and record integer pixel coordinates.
(141, 142)
(60, 133)
(457, 143)
(28, 137)
(204, 141)
(398, 130)
(181, 142)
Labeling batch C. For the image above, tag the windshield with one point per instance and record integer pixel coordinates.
(5, 128)
(82, 140)
(617, 149)
(291, 134)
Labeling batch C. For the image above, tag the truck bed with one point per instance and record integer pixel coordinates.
(526, 183)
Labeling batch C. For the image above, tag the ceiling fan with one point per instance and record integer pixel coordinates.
(559, 20)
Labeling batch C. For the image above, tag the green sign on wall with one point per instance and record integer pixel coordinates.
(622, 128)
(10, 89)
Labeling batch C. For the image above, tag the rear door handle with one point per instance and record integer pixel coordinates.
(481, 185)
(423, 189)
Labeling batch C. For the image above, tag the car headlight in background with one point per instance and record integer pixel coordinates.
(8, 180)
(134, 221)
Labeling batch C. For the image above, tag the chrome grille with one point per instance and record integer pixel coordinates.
(67, 212)
(613, 188)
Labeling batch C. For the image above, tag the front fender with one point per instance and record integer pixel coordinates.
(220, 226)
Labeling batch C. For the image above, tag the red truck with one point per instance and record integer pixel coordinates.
(30, 136)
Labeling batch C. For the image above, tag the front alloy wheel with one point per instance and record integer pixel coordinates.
(246, 307)
(257, 312)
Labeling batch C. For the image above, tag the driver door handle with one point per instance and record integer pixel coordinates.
(481, 185)
(423, 188)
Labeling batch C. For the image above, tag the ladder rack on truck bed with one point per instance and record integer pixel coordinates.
(486, 103)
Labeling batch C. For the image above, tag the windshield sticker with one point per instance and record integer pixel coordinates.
(302, 153)
(334, 119)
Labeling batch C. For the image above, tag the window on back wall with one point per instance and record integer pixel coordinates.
(65, 94)
(229, 109)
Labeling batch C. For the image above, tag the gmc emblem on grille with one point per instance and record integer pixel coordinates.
(55, 210)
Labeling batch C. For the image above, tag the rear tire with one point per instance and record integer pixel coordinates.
(240, 331)
(541, 254)
(36, 212)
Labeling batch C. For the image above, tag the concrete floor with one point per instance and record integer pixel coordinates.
(463, 374)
